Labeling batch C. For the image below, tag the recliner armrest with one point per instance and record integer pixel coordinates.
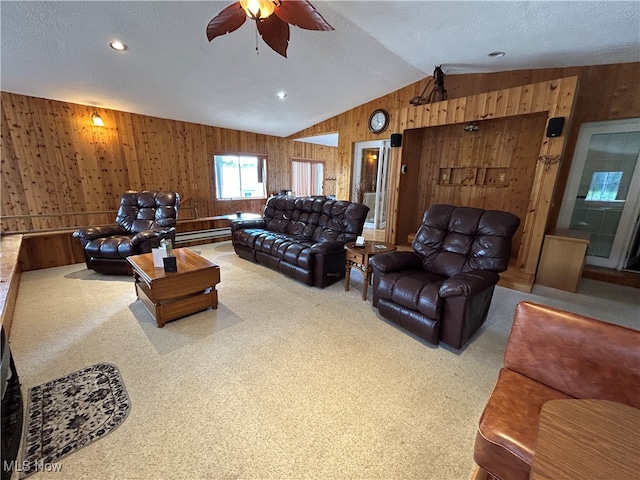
(91, 233)
(395, 261)
(146, 235)
(256, 223)
(468, 284)
(325, 248)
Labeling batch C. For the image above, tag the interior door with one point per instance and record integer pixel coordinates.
(370, 180)
(603, 193)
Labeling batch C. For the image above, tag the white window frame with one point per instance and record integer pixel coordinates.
(262, 173)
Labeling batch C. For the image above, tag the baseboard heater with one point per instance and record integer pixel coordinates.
(197, 235)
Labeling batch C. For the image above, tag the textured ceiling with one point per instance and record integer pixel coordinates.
(59, 50)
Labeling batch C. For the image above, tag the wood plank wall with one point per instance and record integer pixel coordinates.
(506, 147)
(554, 98)
(55, 161)
(605, 92)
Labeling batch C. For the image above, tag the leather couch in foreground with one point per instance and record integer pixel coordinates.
(301, 237)
(551, 354)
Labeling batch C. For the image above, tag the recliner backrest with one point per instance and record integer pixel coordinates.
(577, 355)
(316, 218)
(146, 210)
(454, 239)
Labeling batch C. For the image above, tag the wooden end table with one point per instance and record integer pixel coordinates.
(587, 439)
(358, 257)
(171, 295)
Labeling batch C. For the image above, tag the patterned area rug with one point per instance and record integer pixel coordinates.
(66, 414)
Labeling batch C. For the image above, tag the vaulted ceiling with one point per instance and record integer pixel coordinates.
(60, 50)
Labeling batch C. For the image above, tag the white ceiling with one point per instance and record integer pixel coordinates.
(60, 50)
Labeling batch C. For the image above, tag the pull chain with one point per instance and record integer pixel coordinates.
(257, 52)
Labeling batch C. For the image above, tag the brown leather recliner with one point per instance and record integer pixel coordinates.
(143, 220)
(441, 291)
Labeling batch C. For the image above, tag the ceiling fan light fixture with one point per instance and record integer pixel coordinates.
(257, 9)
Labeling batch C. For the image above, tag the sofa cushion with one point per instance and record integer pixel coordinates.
(116, 247)
(291, 249)
(508, 427)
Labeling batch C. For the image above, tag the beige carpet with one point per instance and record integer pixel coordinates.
(282, 381)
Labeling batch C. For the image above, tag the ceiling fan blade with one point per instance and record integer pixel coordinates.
(275, 33)
(228, 20)
(301, 14)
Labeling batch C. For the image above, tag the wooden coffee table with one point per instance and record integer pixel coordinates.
(358, 257)
(171, 295)
(587, 440)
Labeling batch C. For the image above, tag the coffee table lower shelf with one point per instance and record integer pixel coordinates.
(172, 295)
(172, 309)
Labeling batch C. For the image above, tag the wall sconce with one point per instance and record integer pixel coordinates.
(97, 120)
(471, 127)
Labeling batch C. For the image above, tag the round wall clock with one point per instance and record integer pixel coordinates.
(379, 121)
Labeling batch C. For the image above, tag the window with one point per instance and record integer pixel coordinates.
(306, 177)
(240, 176)
(604, 186)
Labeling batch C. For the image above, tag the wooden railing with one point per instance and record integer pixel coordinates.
(55, 222)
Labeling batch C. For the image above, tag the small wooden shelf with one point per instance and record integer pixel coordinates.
(481, 176)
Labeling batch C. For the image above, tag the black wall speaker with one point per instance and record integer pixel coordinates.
(396, 139)
(554, 128)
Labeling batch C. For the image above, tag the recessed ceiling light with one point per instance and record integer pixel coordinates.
(118, 45)
(281, 95)
(496, 54)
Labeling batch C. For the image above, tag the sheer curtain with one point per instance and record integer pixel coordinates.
(306, 177)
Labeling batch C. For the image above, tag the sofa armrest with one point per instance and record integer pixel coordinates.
(396, 261)
(468, 284)
(325, 248)
(100, 231)
(149, 235)
(255, 223)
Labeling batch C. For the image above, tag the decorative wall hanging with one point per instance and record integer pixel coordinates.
(438, 93)
(274, 29)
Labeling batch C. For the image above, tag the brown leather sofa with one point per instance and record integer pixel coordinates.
(144, 218)
(302, 237)
(551, 354)
(441, 291)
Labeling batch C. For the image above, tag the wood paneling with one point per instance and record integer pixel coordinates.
(552, 98)
(605, 92)
(54, 161)
(508, 146)
(9, 278)
(49, 249)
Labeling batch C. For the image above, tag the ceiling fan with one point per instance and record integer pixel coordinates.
(274, 29)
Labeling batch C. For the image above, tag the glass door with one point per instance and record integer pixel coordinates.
(370, 180)
(602, 195)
